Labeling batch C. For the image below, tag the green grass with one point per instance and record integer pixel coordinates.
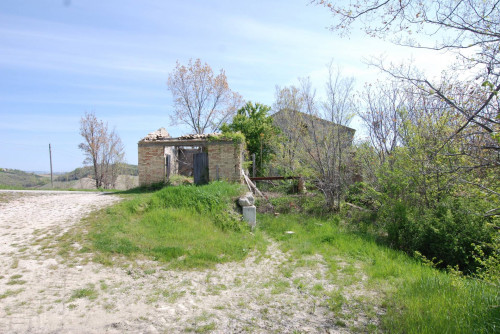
(191, 227)
(417, 298)
(88, 292)
(184, 226)
(16, 179)
(9, 293)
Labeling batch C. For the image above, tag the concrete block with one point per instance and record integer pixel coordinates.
(250, 197)
(250, 215)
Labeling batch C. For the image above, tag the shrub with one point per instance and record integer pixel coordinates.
(363, 195)
(445, 234)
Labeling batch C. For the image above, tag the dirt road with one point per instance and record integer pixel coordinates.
(43, 292)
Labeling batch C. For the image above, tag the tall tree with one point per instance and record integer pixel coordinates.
(103, 149)
(253, 121)
(202, 100)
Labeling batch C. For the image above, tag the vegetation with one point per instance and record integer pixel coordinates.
(191, 227)
(417, 297)
(13, 179)
(253, 121)
(316, 140)
(184, 226)
(235, 137)
(431, 165)
(87, 171)
(202, 101)
(103, 150)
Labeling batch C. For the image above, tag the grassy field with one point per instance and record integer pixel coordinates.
(80, 178)
(417, 298)
(188, 227)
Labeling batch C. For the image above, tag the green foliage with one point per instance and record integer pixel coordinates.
(311, 203)
(446, 233)
(362, 194)
(185, 226)
(236, 137)
(214, 198)
(417, 298)
(489, 269)
(87, 171)
(437, 303)
(13, 179)
(253, 122)
(88, 292)
(432, 203)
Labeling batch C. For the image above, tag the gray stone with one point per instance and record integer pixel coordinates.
(243, 202)
(250, 215)
(250, 198)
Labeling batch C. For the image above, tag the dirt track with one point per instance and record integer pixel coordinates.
(42, 292)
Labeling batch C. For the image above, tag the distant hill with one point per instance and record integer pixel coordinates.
(80, 178)
(18, 179)
(87, 171)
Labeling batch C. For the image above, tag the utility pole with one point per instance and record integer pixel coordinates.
(50, 155)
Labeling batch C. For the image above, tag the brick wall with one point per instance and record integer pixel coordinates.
(228, 158)
(151, 163)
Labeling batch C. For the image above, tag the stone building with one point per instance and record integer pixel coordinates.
(206, 157)
(296, 123)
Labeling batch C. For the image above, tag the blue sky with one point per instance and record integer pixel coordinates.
(61, 58)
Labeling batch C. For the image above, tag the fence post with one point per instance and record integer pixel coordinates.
(253, 165)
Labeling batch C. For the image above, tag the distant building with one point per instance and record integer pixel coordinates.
(295, 123)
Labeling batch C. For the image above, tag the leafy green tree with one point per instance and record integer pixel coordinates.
(253, 121)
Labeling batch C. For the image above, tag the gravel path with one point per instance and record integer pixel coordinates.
(43, 292)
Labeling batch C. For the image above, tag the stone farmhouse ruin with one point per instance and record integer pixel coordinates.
(206, 157)
(296, 123)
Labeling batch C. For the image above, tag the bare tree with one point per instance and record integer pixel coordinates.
(382, 115)
(103, 149)
(288, 101)
(318, 139)
(202, 101)
(469, 28)
(468, 90)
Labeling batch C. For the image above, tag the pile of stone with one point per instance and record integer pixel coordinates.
(157, 135)
(247, 206)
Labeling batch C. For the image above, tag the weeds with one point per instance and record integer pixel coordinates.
(88, 292)
(9, 293)
(417, 298)
(184, 226)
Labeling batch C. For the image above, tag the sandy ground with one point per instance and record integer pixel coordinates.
(42, 292)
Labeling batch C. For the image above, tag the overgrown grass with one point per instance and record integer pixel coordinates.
(184, 226)
(417, 298)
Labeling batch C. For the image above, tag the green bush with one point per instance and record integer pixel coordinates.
(363, 195)
(308, 203)
(212, 198)
(445, 234)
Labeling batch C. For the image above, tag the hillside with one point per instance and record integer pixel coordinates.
(18, 179)
(86, 171)
(79, 178)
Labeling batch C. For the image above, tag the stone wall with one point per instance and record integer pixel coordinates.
(151, 163)
(227, 158)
